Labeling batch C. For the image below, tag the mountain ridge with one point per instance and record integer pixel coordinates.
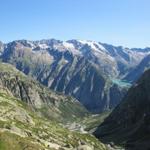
(52, 105)
(128, 124)
(76, 67)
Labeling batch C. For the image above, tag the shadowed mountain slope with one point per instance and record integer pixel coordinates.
(129, 123)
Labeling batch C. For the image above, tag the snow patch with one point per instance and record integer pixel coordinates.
(43, 46)
(94, 45)
(68, 45)
(76, 89)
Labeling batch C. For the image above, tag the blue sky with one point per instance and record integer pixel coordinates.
(118, 22)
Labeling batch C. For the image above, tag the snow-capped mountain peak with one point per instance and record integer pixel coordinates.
(94, 45)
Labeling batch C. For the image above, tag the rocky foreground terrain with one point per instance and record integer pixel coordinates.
(26, 123)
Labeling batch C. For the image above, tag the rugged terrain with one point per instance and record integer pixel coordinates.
(46, 102)
(21, 128)
(85, 70)
(129, 123)
(137, 72)
(32, 117)
(40, 116)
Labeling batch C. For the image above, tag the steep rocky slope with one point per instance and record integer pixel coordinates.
(83, 69)
(23, 129)
(1, 48)
(129, 123)
(52, 105)
(136, 72)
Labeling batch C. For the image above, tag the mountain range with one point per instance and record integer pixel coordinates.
(50, 91)
(96, 74)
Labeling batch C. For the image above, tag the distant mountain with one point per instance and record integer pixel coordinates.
(136, 72)
(85, 70)
(129, 123)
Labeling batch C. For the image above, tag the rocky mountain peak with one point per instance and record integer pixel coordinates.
(76, 67)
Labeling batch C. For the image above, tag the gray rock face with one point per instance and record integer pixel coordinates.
(24, 128)
(130, 121)
(136, 72)
(1, 48)
(83, 69)
(84, 147)
(47, 102)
